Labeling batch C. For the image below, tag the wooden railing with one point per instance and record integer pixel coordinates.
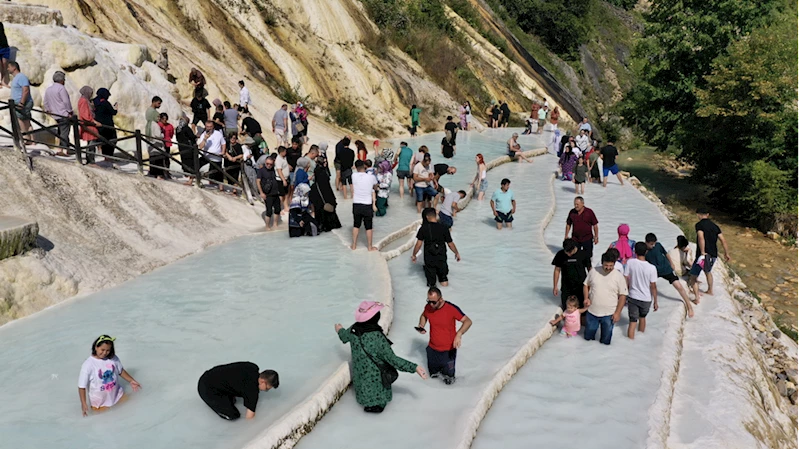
(155, 147)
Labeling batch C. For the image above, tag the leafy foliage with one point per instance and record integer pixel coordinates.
(718, 81)
(562, 25)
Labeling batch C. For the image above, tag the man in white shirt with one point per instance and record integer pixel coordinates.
(283, 170)
(423, 176)
(605, 291)
(244, 97)
(280, 125)
(642, 279)
(582, 141)
(211, 144)
(449, 207)
(364, 190)
(57, 102)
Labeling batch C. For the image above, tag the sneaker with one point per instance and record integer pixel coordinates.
(373, 409)
(435, 376)
(449, 380)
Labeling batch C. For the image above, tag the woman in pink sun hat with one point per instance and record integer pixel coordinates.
(372, 358)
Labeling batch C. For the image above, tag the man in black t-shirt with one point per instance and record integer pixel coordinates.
(450, 130)
(440, 170)
(250, 126)
(707, 236)
(505, 110)
(574, 265)
(346, 157)
(436, 239)
(200, 107)
(269, 190)
(608, 155)
(221, 385)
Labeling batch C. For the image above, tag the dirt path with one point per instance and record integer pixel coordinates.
(768, 268)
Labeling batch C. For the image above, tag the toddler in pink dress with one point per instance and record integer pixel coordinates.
(570, 317)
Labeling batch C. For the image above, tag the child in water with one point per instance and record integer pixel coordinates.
(686, 255)
(571, 316)
(100, 374)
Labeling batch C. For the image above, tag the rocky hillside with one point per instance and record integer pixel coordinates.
(331, 54)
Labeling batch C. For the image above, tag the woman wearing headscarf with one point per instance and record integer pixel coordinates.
(88, 125)
(371, 354)
(624, 245)
(187, 145)
(300, 220)
(302, 117)
(384, 178)
(322, 196)
(104, 114)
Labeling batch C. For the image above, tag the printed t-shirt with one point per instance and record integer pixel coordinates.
(641, 274)
(609, 154)
(419, 169)
(503, 201)
(573, 270)
(657, 257)
(582, 223)
(442, 325)
(711, 233)
(101, 378)
(435, 237)
(449, 199)
(605, 289)
(363, 185)
(446, 148)
(239, 379)
(404, 160)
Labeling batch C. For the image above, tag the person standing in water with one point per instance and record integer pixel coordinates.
(707, 236)
(436, 238)
(100, 375)
(503, 204)
(444, 339)
(402, 161)
(364, 203)
(480, 183)
(221, 385)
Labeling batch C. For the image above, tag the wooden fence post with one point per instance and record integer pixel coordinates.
(139, 157)
(76, 132)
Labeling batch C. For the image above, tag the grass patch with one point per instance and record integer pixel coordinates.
(343, 113)
(292, 95)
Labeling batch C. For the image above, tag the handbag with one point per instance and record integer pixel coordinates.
(388, 374)
(300, 127)
(327, 207)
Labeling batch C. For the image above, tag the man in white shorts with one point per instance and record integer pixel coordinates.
(280, 125)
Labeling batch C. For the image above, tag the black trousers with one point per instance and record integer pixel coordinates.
(222, 405)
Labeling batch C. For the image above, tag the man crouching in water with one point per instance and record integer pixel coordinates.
(221, 385)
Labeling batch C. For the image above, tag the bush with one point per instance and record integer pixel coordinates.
(562, 25)
(343, 113)
(291, 95)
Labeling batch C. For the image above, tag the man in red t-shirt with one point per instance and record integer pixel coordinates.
(586, 227)
(444, 339)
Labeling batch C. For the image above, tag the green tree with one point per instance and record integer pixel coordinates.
(562, 25)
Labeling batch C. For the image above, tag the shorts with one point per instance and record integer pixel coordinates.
(671, 277)
(445, 219)
(403, 174)
(199, 118)
(273, 205)
(541, 123)
(280, 134)
(504, 217)
(24, 113)
(579, 182)
(346, 177)
(436, 270)
(422, 191)
(637, 309)
(337, 165)
(441, 362)
(222, 405)
(483, 185)
(362, 213)
(5, 53)
(709, 262)
(612, 169)
(291, 178)
(513, 155)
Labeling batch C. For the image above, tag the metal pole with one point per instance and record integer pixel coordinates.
(139, 156)
(19, 141)
(197, 180)
(76, 132)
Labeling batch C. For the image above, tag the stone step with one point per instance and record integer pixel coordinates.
(17, 235)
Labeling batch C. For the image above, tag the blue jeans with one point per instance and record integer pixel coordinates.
(422, 191)
(593, 323)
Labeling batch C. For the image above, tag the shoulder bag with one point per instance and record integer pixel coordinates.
(388, 374)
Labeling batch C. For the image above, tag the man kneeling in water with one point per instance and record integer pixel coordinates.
(221, 385)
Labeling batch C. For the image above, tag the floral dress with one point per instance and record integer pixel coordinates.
(366, 379)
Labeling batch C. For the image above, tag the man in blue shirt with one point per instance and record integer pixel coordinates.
(587, 127)
(503, 203)
(21, 94)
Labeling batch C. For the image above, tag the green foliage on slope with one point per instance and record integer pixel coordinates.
(717, 80)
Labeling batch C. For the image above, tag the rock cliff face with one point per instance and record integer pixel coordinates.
(314, 49)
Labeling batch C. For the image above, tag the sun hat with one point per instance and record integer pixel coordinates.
(366, 310)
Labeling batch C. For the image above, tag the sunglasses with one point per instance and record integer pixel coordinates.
(432, 302)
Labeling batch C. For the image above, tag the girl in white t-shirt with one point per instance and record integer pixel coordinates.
(100, 374)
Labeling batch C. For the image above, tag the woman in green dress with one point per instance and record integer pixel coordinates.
(369, 347)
